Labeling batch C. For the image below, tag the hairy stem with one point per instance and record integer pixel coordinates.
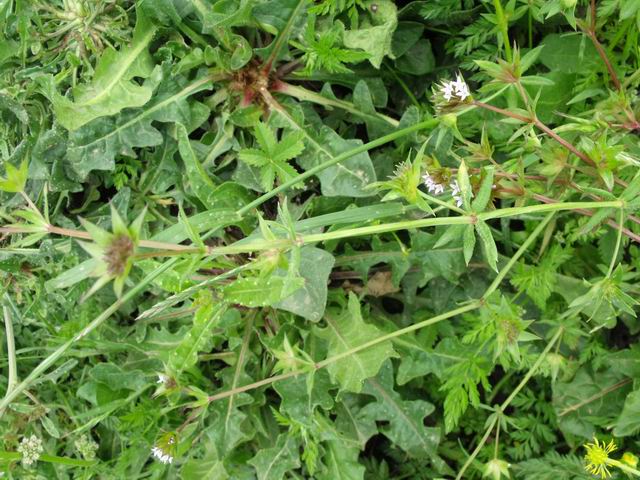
(307, 95)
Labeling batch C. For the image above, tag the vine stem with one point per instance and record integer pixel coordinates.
(508, 401)
(262, 245)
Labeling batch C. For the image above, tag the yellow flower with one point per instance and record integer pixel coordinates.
(597, 457)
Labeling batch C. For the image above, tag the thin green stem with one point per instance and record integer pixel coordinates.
(11, 350)
(532, 370)
(282, 38)
(404, 87)
(508, 401)
(475, 452)
(99, 320)
(618, 242)
(503, 25)
(512, 211)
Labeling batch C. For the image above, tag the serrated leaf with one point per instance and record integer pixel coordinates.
(405, 427)
(186, 354)
(112, 87)
(375, 39)
(310, 299)
(95, 146)
(273, 463)
(346, 330)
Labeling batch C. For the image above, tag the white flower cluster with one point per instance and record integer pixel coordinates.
(87, 447)
(455, 88)
(432, 186)
(31, 448)
(161, 455)
(436, 188)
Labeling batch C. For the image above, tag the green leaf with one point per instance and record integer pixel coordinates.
(465, 186)
(261, 292)
(490, 250)
(529, 58)
(16, 178)
(341, 463)
(113, 87)
(404, 419)
(346, 330)
(349, 178)
(419, 60)
(375, 39)
(628, 423)
(479, 204)
(117, 378)
(589, 400)
(468, 243)
(568, 53)
(272, 158)
(208, 314)
(198, 469)
(273, 463)
(282, 18)
(300, 397)
(95, 146)
(200, 182)
(310, 299)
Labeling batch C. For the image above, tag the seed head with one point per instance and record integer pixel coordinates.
(118, 253)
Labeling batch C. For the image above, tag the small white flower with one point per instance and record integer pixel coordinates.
(162, 378)
(447, 90)
(30, 448)
(161, 455)
(457, 88)
(461, 87)
(432, 186)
